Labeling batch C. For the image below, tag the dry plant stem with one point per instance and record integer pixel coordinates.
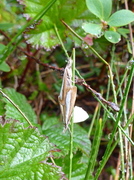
(95, 52)
(111, 104)
(38, 104)
(27, 68)
(62, 69)
(35, 59)
(129, 150)
(117, 169)
(129, 171)
(99, 96)
(131, 31)
(122, 154)
(4, 95)
(80, 38)
(119, 130)
(43, 64)
(132, 46)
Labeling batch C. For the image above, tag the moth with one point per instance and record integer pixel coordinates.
(67, 95)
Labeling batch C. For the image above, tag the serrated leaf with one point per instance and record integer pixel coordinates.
(100, 8)
(23, 154)
(91, 28)
(62, 140)
(44, 35)
(23, 105)
(48, 124)
(121, 18)
(112, 36)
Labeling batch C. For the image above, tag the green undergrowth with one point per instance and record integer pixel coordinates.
(38, 36)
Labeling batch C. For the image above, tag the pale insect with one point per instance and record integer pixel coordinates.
(67, 95)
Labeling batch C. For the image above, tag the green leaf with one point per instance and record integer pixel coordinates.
(121, 18)
(129, 47)
(44, 33)
(23, 154)
(101, 45)
(100, 8)
(123, 32)
(91, 28)
(79, 166)
(2, 47)
(6, 26)
(62, 140)
(112, 36)
(4, 67)
(2, 104)
(23, 105)
(7, 15)
(49, 121)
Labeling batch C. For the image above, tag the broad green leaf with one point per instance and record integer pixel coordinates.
(79, 165)
(91, 28)
(23, 105)
(4, 67)
(43, 36)
(44, 33)
(100, 8)
(112, 36)
(62, 140)
(24, 153)
(49, 121)
(121, 18)
(79, 171)
(123, 32)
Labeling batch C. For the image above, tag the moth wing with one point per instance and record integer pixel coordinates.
(69, 104)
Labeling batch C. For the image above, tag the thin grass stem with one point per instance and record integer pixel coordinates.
(4, 95)
(93, 120)
(72, 124)
(94, 151)
(61, 42)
